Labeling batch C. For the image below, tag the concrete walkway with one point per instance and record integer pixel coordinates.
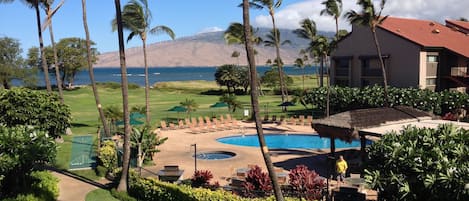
(73, 187)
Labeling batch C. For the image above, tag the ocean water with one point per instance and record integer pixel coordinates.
(161, 74)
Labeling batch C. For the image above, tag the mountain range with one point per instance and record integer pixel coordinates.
(205, 49)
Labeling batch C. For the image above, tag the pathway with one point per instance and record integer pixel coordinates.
(73, 187)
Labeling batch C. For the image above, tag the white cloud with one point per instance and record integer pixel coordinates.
(289, 16)
(210, 29)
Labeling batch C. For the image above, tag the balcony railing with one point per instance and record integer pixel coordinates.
(459, 71)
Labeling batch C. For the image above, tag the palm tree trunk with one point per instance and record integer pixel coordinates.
(321, 72)
(41, 47)
(147, 83)
(56, 60)
(102, 117)
(283, 88)
(383, 69)
(255, 103)
(123, 183)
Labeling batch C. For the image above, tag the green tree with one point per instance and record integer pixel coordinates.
(10, 61)
(228, 75)
(271, 79)
(255, 100)
(35, 4)
(50, 12)
(113, 114)
(20, 106)
(271, 5)
(420, 164)
(107, 155)
(22, 148)
(136, 17)
(371, 18)
(232, 101)
(236, 55)
(334, 9)
(89, 62)
(302, 62)
(124, 180)
(146, 143)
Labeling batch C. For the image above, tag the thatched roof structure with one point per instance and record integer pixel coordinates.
(346, 125)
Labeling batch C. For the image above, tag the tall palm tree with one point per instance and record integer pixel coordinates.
(236, 55)
(35, 4)
(102, 117)
(301, 62)
(123, 183)
(308, 31)
(271, 5)
(255, 102)
(334, 9)
(49, 12)
(136, 17)
(370, 17)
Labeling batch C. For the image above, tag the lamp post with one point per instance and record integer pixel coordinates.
(195, 157)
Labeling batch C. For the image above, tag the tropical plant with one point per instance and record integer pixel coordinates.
(420, 164)
(21, 106)
(308, 31)
(306, 183)
(271, 5)
(201, 178)
(255, 98)
(123, 182)
(113, 113)
(232, 102)
(371, 17)
(22, 148)
(270, 78)
(136, 17)
(257, 183)
(50, 12)
(236, 55)
(228, 75)
(301, 63)
(107, 155)
(89, 62)
(146, 143)
(35, 4)
(334, 9)
(190, 105)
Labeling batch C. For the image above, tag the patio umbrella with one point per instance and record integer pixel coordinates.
(218, 105)
(136, 115)
(178, 109)
(286, 104)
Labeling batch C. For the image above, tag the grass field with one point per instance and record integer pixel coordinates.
(163, 96)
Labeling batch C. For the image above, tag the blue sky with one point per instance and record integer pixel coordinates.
(189, 17)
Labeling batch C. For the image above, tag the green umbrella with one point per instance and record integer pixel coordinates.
(219, 104)
(136, 115)
(178, 109)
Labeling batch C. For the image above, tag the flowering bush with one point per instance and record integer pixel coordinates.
(258, 183)
(306, 183)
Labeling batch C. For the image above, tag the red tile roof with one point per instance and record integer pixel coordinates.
(428, 34)
(463, 26)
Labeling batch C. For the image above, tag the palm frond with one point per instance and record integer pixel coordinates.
(163, 30)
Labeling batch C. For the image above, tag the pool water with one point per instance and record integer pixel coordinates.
(216, 155)
(291, 141)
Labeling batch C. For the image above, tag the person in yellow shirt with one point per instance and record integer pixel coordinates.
(341, 168)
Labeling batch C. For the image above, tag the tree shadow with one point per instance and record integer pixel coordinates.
(80, 178)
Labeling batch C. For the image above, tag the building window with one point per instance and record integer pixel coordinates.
(342, 67)
(341, 82)
(432, 58)
(431, 81)
(371, 67)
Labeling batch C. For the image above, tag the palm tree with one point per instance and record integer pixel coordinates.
(301, 63)
(102, 117)
(123, 183)
(190, 104)
(255, 102)
(271, 5)
(236, 54)
(136, 18)
(35, 4)
(369, 17)
(308, 31)
(50, 13)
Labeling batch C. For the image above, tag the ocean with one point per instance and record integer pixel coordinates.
(161, 74)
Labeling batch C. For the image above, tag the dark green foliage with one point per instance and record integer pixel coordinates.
(271, 79)
(11, 62)
(420, 164)
(21, 150)
(116, 85)
(122, 196)
(232, 101)
(100, 171)
(257, 183)
(231, 76)
(45, 185)
(306, 183)
(345, 98)
(20, 106)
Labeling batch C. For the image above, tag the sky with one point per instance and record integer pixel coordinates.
(190, 17)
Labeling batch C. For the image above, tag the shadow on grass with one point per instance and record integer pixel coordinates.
(80, 125)
(80, 178)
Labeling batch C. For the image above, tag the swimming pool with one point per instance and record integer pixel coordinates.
(291, 141)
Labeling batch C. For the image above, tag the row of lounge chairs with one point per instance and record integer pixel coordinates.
(302, 120)
(203, 124)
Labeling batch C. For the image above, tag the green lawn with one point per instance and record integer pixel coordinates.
(100, 195)
(163, 96)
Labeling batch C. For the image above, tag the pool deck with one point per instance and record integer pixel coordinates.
(178, 150)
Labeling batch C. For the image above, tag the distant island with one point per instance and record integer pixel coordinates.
(206, 49)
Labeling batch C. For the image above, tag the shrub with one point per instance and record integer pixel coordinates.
(420, 164)
(45, 185)
(24, 197)
(201, 178)
(306, 183)
(257, 183)
(108, 156)
(101, 171)
(20, 106)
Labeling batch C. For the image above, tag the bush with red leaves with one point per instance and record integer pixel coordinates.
(201, 178)
(306, 183)
(257, 183)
